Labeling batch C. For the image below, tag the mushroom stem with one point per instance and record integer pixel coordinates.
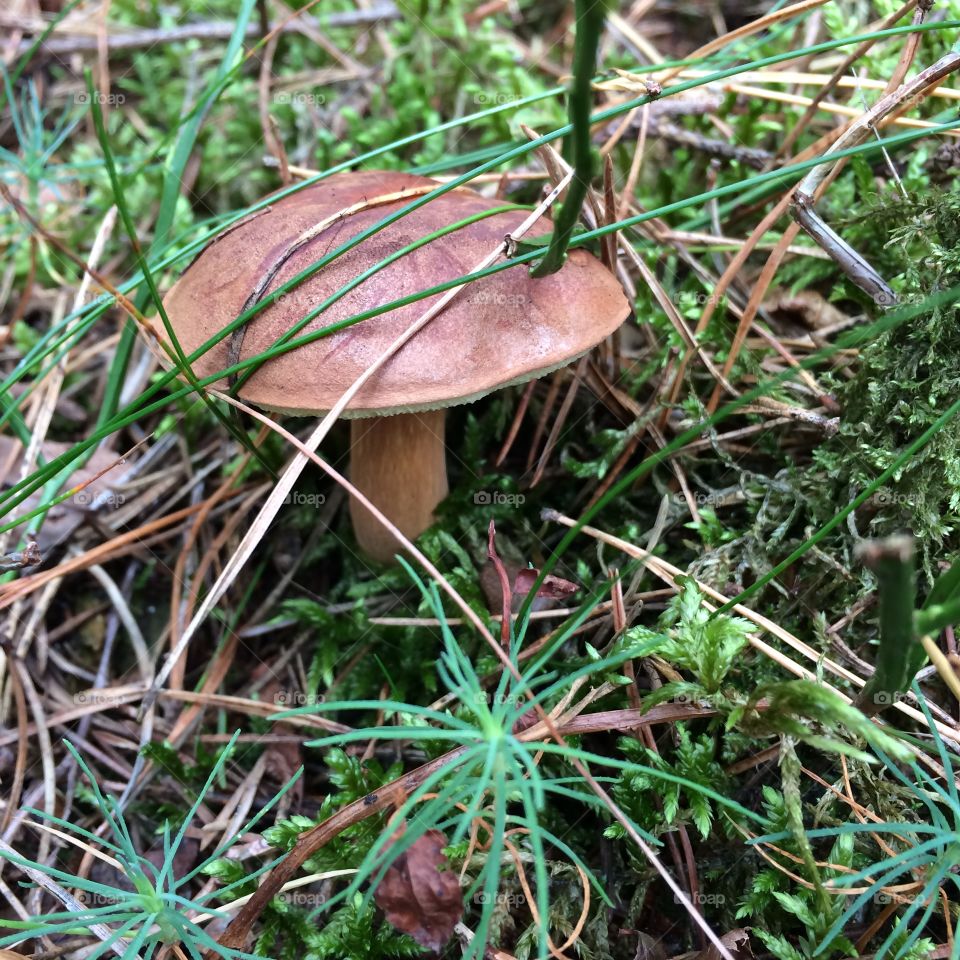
(399, 462)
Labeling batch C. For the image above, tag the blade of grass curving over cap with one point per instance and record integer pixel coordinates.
(153, 292)
(188, 129)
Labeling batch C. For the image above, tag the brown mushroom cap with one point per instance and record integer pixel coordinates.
(503, 329)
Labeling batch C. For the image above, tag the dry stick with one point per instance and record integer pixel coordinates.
(773, 76)
(51, 392)
(553, 391)
(69, 901)
(296, 466)
(847, 259)
(309, 27)
(20, 767)
(669, 573)
(54, 381)
(46, 756)
(271, 139)
(82, 41)
(609, 214)
(839, 109)
(236, 933)
(939, 660)
(757, 294)
(759, 290)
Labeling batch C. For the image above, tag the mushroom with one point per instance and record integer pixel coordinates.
(502, 329)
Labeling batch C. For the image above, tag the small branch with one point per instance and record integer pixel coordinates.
(846, 258)
(139, 39)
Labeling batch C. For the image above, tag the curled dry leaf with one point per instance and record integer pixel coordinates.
(736, 941)
(418, 896)
(60, 521)
(29, 556)
(794, 313)
(552, 588)
(649, 948)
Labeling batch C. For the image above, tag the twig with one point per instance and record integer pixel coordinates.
(846, 258)
(136, 39)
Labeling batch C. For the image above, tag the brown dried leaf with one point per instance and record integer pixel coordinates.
(553, 588)
(59, 521)
(736, 941)
(805, 310)
(649, 948)
(418, 897)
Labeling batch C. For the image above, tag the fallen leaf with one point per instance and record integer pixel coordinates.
(805, 310)
(60, 521)
(553, 588)
(737, 943)
(649, 948)
(418, 897)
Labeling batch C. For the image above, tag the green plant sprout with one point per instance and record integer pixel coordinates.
(136, 922)
(30, 173)
(929, 851)
(491, 769)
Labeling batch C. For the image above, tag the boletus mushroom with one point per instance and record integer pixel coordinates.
(503, 329)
